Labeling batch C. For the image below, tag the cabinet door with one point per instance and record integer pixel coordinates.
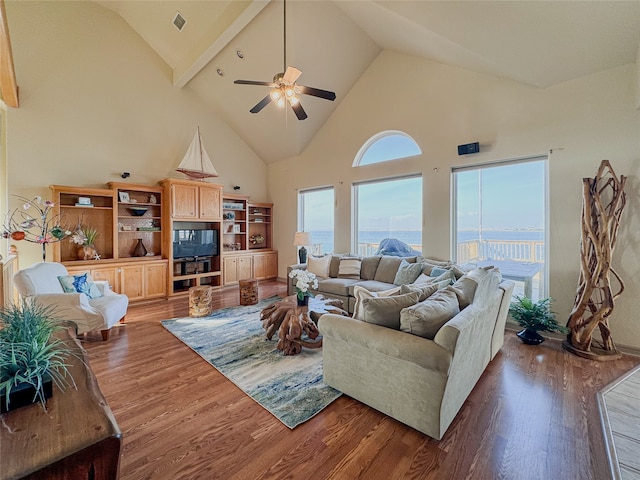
(132, 281)
(155, 277)
(184, 201)
(259, 266)
(210, 203)
(230, 270)
(244, 267)
(271, 265)
(108, 274)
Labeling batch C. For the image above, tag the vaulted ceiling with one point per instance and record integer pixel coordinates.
(539, 43)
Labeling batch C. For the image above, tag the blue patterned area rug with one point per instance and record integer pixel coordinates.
(234, 342)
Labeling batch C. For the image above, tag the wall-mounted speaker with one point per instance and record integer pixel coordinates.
(468, 148)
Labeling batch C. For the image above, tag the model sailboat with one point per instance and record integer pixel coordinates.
(196, 162)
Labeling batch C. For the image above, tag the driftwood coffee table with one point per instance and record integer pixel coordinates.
(291, 320)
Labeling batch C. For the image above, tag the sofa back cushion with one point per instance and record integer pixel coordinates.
(388, 267)
(385, 311)
(360, 293)
(369, 267)
(425, 318)
(334, 266)
(319, 265)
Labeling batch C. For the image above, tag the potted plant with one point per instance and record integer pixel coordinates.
(31, 360)
(304, 281)
(534, 317)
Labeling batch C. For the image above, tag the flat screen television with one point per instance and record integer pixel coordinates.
(191, 242)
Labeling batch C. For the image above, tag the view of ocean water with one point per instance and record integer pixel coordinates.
(325, 237)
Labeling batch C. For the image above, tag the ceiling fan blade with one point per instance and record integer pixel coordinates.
(299, 111)
(261, 104)
(251, 82)
(291, 75)
(316, 92)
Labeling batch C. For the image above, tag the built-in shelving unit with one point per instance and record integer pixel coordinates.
(110, 212)
(192, 206)
(247, 240)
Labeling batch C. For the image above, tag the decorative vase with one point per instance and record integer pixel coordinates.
(139, 250)
(530, 337)
(87, 252)
(304, 302)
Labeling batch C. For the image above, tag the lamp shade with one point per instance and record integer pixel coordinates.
(302, 239)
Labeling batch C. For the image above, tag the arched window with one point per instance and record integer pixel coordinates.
(385, 146)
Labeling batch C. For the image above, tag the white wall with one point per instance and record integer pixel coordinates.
(96, 101)
(582, 122)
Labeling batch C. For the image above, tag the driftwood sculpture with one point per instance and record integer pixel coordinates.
(603, 200)
(291, 321)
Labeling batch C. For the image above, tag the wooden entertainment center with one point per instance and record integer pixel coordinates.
(126, 215)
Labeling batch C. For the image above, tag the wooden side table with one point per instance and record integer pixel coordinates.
(199, 301)
(248, 291)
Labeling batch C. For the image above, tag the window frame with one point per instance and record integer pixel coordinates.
(544, 158)
(355, 203)
(300, 221)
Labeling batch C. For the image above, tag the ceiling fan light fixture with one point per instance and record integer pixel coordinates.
(276, 95)
(293, 100)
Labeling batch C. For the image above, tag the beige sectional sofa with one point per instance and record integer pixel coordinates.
(422, 382)
(418, 375)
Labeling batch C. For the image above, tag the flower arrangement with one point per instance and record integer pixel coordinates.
(304, 281)
(35, 222)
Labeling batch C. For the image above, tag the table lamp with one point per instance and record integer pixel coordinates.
(301, 239)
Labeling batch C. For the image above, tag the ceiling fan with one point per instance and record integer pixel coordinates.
(284, 86)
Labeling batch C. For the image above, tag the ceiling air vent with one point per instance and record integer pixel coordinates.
(179, 21)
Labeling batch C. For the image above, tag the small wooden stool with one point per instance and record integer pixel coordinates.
(248, 291)
(199, 301)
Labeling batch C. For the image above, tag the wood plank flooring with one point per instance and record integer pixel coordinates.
(532, 415)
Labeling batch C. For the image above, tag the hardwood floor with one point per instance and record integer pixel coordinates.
(532, 415)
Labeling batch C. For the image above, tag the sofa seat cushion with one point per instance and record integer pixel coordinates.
(336, 286)
(371, 285)
(425, 318)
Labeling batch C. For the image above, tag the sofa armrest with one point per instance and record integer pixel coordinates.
(290, 287)
(62, 300)
(386, 341)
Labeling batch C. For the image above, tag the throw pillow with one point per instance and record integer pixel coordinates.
(425, 290)
(425, 318)
(319, 265)
(437, 271)
(82, 283)
(407, 273)
(385, 311)
(349, 268)
(361, 293)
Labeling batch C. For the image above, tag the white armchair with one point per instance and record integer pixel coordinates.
(40, 283)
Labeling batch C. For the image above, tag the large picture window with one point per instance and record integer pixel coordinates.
(387, 209)
(315, 215)
(500, 218)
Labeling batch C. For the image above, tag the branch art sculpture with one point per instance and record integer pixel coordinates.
(599, 285)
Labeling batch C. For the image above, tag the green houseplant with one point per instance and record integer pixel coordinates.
(31, 359)
(534, 317)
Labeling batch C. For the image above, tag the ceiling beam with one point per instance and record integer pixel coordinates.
(8, 85)
(234, 18)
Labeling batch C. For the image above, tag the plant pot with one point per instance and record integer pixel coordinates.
(530, 337)
(304, 302)
(24, 394)
(87, 252)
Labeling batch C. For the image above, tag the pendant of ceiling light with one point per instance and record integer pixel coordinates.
(284, 86)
